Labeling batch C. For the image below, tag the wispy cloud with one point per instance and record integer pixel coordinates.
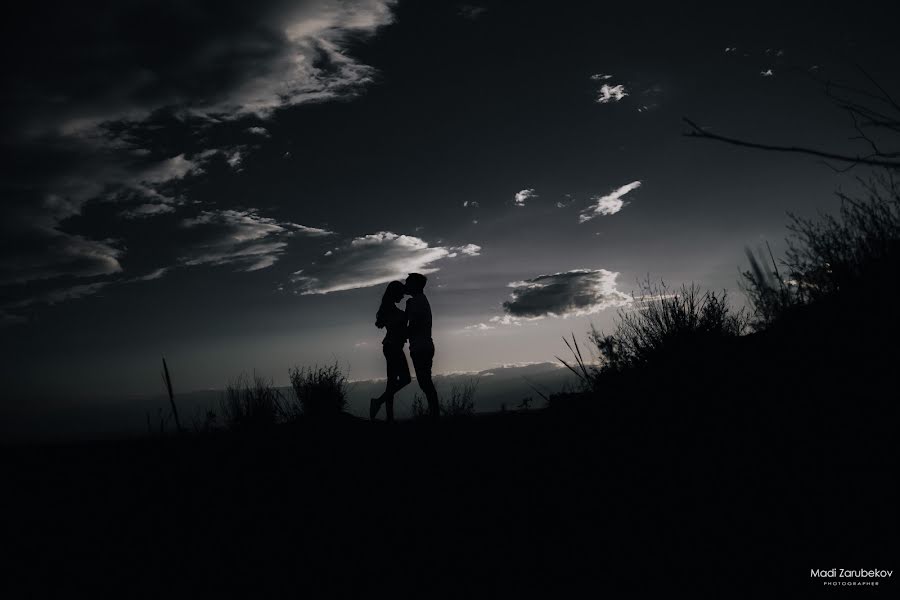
(46, 253)
(467, 250)
(374, 259)
(55, 296)
(567, 199)
(240, 237)
(471, 12)
(611, 93)
(153, 275)
(609, 204)
(102, 143)
(521, 197)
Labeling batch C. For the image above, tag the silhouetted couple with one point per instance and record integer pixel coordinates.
(413, 324)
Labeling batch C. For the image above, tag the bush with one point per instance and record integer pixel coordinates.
(418, 409)
(318, 392)
(832, 255)
(251, 403)
(462, 400)
(666, 324)
(460, 404)
(660, 325)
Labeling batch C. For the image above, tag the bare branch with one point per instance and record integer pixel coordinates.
(886, 97)
(698, 132)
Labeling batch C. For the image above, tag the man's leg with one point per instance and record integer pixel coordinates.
(422, 362)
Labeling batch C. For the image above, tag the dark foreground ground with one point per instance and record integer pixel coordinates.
(566, 504)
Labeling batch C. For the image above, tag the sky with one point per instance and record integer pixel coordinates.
(231, 185)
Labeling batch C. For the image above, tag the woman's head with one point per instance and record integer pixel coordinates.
(394, 292)
(392, 295)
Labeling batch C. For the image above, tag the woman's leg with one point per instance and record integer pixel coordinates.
(401, 380)
(398, 376)
(388, 393)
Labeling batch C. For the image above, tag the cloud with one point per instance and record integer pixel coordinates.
(767, 73)
(37, 245)
(609, 204)
(148, 210)
(224, 61)
(470, 204)
(43, 253)
(572, 293)
(65, 293)
(600, 77)
(479, 327)
(374, 259)
(567, 199)
(611, 93)
(235, 159)
(8, 319)
(86, 112)
(467, 250)
(521, 196)
(153, 275)
(223, 237)
(59, 295)
(470, 12)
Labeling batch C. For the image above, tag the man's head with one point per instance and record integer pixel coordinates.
(415, 283)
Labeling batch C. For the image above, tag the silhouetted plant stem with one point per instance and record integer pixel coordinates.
(168, 381)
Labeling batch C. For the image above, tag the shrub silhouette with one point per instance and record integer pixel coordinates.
(462, 400)
(460, 404)
(664, 324)
(251, 403)
(855, 251)
(318, 392)
(418, 410)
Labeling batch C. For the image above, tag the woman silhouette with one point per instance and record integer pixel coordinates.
(393, 320)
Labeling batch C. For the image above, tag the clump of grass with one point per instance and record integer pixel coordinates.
(461, 402)
(318, 392)
(831, 255)
(418, 409)
(204, 420)
(666, 324)
(659, 325)
(769, 293)
(251, 403)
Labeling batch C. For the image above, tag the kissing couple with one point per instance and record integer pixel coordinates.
(414, 324)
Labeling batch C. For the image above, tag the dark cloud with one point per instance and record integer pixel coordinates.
(573, 293)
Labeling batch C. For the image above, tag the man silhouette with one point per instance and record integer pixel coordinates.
(421, 346)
